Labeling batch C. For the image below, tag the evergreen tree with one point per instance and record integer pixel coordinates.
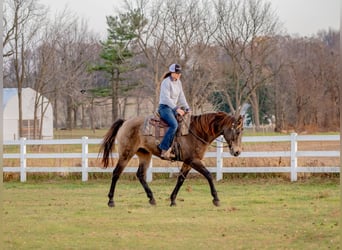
(116, 53)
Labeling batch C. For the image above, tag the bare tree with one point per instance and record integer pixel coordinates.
(76, 49)
(315, 84)
(151, 38)
(244, 32)
(174, 31)
(23, 20)
(306, 87)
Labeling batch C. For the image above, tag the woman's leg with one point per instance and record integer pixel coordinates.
(168, 115)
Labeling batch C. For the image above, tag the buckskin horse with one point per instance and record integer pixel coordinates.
(203, 130)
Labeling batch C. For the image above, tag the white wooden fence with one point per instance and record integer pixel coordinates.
(219, 169)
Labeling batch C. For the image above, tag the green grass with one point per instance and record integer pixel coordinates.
(254, 214)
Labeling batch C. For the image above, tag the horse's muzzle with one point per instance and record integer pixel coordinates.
(234, 152)
(237, 153)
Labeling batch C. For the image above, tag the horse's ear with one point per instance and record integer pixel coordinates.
(237, 113)
(240, 120)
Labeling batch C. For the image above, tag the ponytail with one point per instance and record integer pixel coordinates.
(166, 75)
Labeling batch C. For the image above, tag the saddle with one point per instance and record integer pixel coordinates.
(155, 126)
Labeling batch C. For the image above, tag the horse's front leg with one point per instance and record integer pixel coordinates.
(182, 176)
(198, 166)
(144, 160)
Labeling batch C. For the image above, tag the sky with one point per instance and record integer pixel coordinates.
(299, 17)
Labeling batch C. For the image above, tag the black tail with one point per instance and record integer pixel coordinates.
(108, 142)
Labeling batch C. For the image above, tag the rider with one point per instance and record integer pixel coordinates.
(171, 100)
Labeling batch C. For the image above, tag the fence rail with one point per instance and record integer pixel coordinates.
(219, 169)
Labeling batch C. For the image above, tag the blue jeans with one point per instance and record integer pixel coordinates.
(169, 116)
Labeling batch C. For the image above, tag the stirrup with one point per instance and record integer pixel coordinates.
(167, 155)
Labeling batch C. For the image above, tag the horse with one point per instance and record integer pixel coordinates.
(203, 130)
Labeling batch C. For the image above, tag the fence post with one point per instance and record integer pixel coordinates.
(84, 158)
(219, 158)
(149, 175)
(23, 159)
(294, 163)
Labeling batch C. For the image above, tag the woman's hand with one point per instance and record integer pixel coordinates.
(180, 111)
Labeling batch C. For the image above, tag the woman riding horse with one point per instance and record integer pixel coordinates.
(203, 130)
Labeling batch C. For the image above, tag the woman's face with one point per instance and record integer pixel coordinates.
(175, 75)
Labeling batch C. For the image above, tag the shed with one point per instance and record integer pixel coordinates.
(11, 114)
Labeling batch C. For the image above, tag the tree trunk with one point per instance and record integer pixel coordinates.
(115, 99)
(255, 108)
(92, 125)
(74, 111)
(156, 97)
(69, 113)
(55, 110)
(20, 71)
(20, 110)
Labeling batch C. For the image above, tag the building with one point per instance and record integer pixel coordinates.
(11, 114)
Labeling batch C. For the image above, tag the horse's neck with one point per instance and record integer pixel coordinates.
(212, 138)
(206, 137)
(206, 123)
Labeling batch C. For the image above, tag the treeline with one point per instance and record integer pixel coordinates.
(233, 53)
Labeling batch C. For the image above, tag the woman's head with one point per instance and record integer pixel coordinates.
(175, 70)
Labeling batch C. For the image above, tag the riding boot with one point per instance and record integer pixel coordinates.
(167, 155)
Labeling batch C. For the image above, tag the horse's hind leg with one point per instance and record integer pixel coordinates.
(144, 161)
(116, 174)
(182, 175)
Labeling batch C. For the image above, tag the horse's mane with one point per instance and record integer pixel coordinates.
(210, 123)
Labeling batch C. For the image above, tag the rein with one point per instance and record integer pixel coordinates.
(199, 138)
(191, 132)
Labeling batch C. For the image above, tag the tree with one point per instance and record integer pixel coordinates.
(23, 21)
(176, 31)
(116, 52)
(245, 31)
(75, 50)
(306, 87)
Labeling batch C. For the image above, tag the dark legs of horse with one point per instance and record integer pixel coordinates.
(116, 174)
(144, 161)
(198, 166)
(182, 175)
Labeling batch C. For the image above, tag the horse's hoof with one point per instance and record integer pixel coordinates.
(111, 204)
(173, 204)
(153, 202)
(216, 203)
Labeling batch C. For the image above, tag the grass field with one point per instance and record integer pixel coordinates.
(254, 214)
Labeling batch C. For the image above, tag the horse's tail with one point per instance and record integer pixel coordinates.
(108, 142)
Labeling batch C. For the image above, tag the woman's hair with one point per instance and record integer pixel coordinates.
(166, 75)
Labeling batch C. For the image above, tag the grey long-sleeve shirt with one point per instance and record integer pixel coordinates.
(171, 94)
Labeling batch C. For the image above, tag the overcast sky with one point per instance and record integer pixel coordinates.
(303, 17)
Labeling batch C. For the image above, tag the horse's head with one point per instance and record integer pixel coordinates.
(233, 135)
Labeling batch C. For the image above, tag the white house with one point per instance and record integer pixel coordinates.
(11, 114)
